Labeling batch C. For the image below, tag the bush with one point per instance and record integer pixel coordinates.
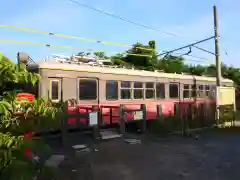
(19, 117)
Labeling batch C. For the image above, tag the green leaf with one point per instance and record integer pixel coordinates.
(1, 141)
(10, 142)
(7, 105)
(1, 56)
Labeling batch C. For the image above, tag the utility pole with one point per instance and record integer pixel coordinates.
(218, 61)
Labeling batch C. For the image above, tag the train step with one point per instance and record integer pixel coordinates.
(109, 134)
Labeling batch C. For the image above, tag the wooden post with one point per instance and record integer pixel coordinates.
(176, 110)
(218, 62)
(201, 115)
(188, 118)
(100, 117)
(110, 114)
(159, 112)
(144, 120)
(122, 119)
(177, 114)
(64, 124)
(205, 114)
(96, 131)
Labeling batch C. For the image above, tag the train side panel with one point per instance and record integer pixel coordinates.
(90, 88)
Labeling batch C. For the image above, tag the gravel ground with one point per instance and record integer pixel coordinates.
(215, 154)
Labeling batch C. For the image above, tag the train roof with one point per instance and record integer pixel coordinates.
(53, 65)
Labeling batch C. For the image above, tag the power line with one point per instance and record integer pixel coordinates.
(196, 57)
(62, 47)
(199, 61)
(183, 47)
(204, 50)
(202, 60)
(70, 37)
(121, 18)
(192, 56)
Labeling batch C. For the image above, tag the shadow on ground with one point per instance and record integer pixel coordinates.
(214, 155)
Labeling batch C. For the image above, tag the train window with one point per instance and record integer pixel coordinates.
(173, 91)
(111, 90)
(149, 90)
(125, 84)
(149, 85)
(213, 92)
(138, 85)
(125, 93)
(160, 91)
(125, 90)
(87, 89)
(201, 92)
(55, 90)
(201, 87)
(138, 90)
(186, 91)
(207, 90)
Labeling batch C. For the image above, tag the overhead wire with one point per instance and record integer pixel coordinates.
(62, 47)
(70, 37)
(186, 46)
(205, 60)
(123, 19)
(204, 50)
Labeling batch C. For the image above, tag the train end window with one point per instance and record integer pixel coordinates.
(138, 85)
(173, 90)
(160, 90)
(125, 84)
(186, 91)
(207, 90)
(201, 91)
(149, 90)
(212, 92)
(125, 90)
(138, 90)
(149, 85)
(87, 89)
(55, 90)
(111, 90)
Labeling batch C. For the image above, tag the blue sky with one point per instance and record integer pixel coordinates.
(190, 20)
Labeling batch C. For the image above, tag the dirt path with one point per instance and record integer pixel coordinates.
(212, 156)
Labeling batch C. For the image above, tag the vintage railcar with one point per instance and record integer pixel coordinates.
(101, 85)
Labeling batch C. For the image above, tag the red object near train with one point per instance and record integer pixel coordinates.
(28, 96)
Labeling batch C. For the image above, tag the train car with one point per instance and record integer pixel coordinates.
(106, 86)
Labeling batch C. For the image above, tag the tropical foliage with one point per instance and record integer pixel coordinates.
(18, 117)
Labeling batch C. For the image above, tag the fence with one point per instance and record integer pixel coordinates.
(139, 115)
(185, 117)
(79, 120)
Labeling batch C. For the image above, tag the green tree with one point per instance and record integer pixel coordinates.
(197, 70)
(100, 54)
(171, 64)
(118, 60)
(11, 72)
(142, 56)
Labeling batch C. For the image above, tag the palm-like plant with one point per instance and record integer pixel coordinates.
(11, 72)
(12, 110)
(40, 108)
